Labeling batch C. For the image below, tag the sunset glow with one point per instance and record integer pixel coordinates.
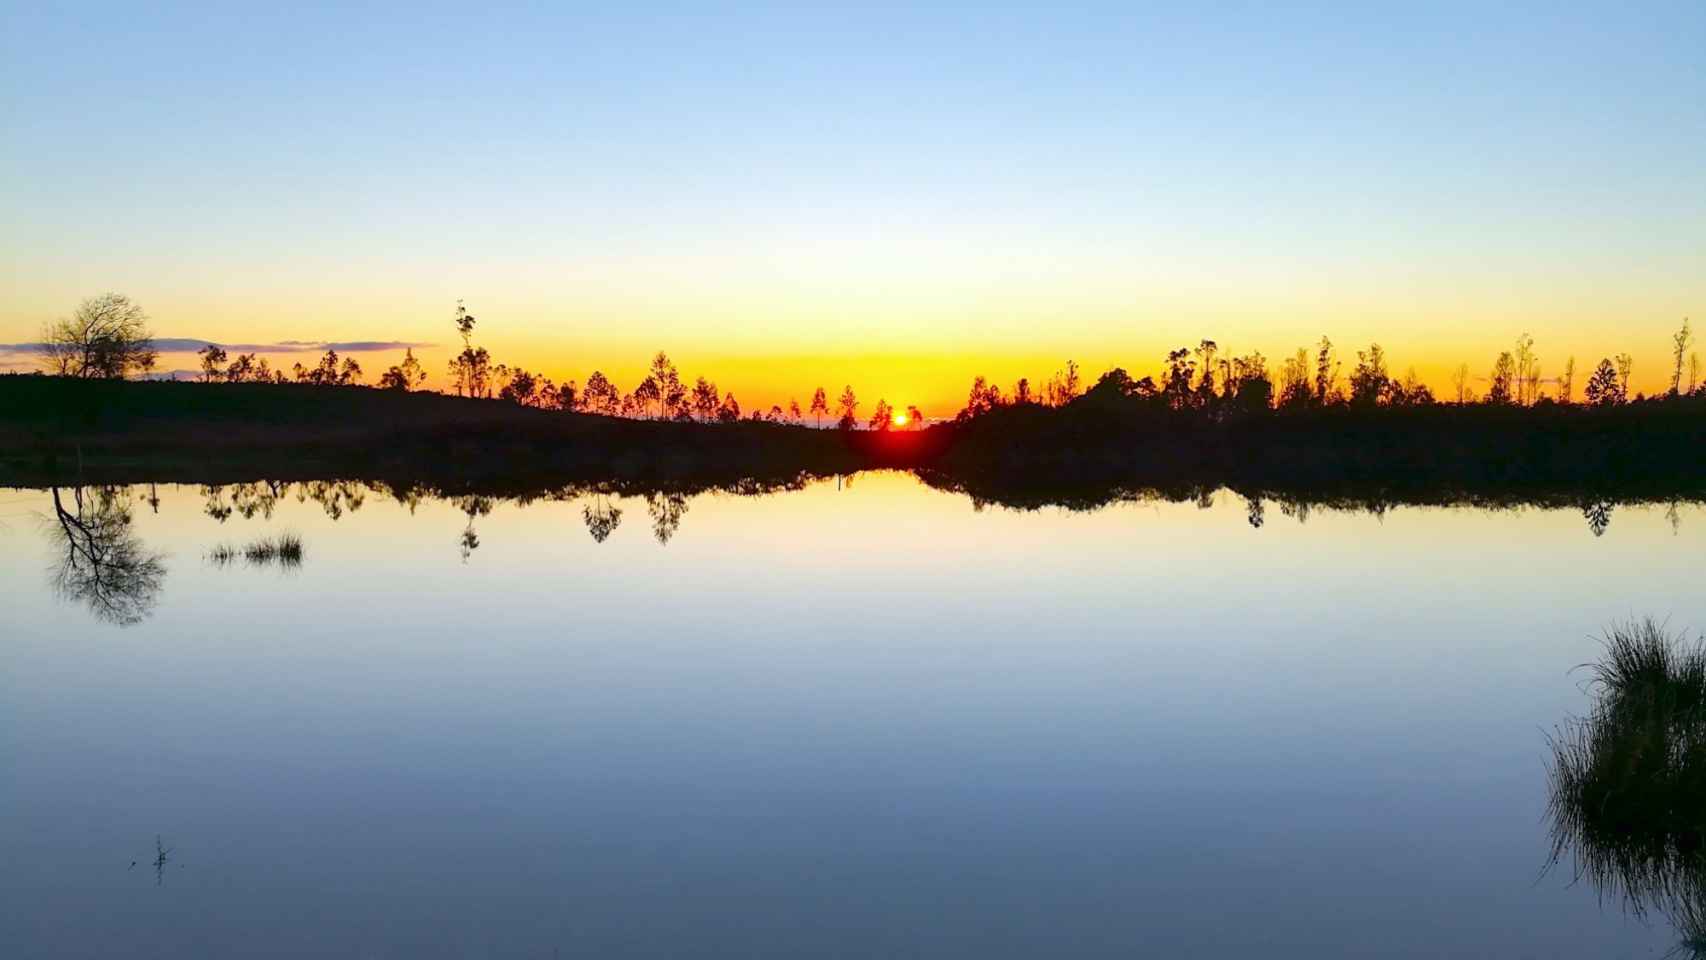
(843, 208)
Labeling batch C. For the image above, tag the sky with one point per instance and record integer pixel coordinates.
(898, 197)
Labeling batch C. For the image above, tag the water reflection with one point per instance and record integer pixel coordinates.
(601, 517)
(101, 564)
(666, 511)
(1628, 781)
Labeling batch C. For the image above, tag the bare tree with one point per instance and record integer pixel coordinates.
(1683, 339)
(102, 564)
(1460, 382)
(106, 337)
(1527, 373)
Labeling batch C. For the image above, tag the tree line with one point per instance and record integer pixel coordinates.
(108, 337)
(1207, 381)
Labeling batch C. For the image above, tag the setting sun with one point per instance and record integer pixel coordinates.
(899, 419)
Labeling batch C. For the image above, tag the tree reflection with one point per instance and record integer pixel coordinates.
(335, 497)
(473, 506)
(102, 564)
(601, 516)
(1628, 782)
(666, 510)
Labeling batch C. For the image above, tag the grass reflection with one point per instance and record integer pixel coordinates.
(1628, 781)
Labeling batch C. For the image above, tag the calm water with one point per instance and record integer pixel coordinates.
(859, 720)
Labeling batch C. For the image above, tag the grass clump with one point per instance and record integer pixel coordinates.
(284, 550)
(1628, 781)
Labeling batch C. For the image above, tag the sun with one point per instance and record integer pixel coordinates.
(899, 419)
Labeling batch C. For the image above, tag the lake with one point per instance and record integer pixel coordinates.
(864, 718)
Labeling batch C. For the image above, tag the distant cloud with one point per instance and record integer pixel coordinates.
(191, 345)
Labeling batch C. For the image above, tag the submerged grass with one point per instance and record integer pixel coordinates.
(1628, 781)
(284, 550)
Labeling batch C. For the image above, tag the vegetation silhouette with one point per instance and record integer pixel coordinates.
(101, 563)
(1627, 803)
(162, 857)
(1209, 417)
(105, 337)
(283, 550)
(601, 516)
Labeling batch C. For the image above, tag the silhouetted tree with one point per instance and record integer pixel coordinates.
(704, 400)
(568, 396)
(107, 337)
(1625, 366)
(1022, 392)
(1503, 382)
(729, 410)
(248, 368)
(1680, 343)
(914, 417)
(1062, 388)
(601, 395)
(1295, 389)
(212, 360)
(669, 389)
(983, 398)
(1604, 389)
(1567, 382)
(883, 417)
(1248, 384)
(1177, 378)
(1525, 382)
(1460, 382)
(1205, 392)
(794, 410)
(328, 372)
(470, 370)
(404, 376)
(1369, 379)
(820, 405)
(1326, 374)
(647, 394)
(1408, 392)
(523, 388)
(849, 407)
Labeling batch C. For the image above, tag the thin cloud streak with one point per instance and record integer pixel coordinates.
(191, 345)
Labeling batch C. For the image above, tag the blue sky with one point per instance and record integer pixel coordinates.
(1028, 177)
